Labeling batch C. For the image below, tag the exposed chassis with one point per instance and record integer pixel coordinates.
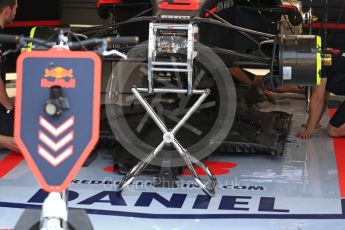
(175, 40)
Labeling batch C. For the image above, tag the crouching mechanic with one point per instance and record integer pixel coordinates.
(7, 13)
(333, 81)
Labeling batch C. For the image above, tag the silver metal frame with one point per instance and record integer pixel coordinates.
(154, 65)
(169, 135)
(169, 139)
(56, 222)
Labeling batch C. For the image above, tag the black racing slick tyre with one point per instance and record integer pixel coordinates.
(203, 132)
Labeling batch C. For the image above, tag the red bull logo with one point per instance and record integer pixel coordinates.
(58, 76)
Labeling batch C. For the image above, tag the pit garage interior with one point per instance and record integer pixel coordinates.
(244, 136)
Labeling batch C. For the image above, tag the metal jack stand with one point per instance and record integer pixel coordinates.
(74, 128)
(185, 39)
(169, 138)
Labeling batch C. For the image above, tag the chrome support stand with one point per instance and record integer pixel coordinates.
(55, 212)
(169, 138)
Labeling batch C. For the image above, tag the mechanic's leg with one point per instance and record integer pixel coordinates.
(336, 132)
(336, 127)
(336, 84)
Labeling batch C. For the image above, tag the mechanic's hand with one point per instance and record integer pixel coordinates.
(268, 95)
(305, 134)
(8, 143)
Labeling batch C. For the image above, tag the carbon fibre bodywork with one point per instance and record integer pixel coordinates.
(260, 15)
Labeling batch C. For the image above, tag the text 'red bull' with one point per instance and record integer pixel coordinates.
(61, 77)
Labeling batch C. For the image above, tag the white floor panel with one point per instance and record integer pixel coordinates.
(300, 190)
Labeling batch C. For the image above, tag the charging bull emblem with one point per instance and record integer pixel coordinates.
(58, 76)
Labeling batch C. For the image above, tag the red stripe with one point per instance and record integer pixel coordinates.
(213, 10)
(104, 2)
(190, 5)
(9, 163)
(318, 25)
(339, 149)
(36, 23)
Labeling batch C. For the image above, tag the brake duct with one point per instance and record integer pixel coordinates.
(298, 60)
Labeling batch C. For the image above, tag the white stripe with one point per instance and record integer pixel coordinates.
(56, 146)
(11, 76)
(11, 92)
(56, 131)
(55, 161)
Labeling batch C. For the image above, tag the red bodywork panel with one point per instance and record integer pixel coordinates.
(190, 5)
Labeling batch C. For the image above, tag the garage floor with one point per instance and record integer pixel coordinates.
(301, 190)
